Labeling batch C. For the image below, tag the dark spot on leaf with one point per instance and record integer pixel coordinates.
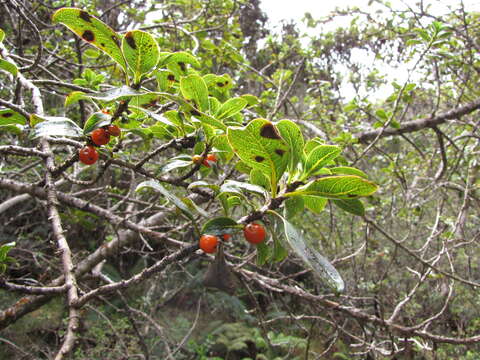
(220, 84)
(7, 115)
(351, 196)
(268, 131)
(88, 36)
(130, 40)
(85, 16)
(194, 113)
(171, 77)
(259, 158)
(115, 40)
(226, 82)
(182, 66)
(103, 44)
(279, 152)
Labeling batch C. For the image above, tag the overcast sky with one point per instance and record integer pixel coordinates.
(288, 9)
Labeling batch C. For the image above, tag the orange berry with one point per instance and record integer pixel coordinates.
(226, 237)
(88, 155)
(208, 243)
(211, 158)
(254, 233)
(100, 136)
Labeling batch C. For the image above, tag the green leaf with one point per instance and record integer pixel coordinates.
(315, 204)
(74, 97)
(4, 249)
(346, 170)
(220, 226)
(177, 57)
(176, 164)
(54, 126)
(118, 93)
(194, 89)
(260, 146)
(95, 121)
(338, 187)
(263, 253)
(259, 178)
(202, 183)
(13, 128)
(8, 117)
(319, 157)
(293, 206)
(92, 30)
(230, 108)
(292, 134)
(8, 66)
(312, 259)
(141, 52)
(353, 206)
(169, 196)
(279, 251)
(2, 35)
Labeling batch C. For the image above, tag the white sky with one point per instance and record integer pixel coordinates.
(278, 10)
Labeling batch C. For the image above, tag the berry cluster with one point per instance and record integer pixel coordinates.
(254, 234)
(208, 161)
(101, 136)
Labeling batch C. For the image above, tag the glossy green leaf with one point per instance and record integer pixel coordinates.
(8, 117)
(2, 35)
(220, 226)
(95, 121)
(312, 259)
(353, 206)
(292, 134)
(338, 187)
(260, 146)
(9, 67)
(259, 178)
(202, 183)
(230, 108)
(141, 52)
(195, 90)
(92, 30)
(118, 93)
(175, 164)
(54, 126)
(232, 186)
(319, 157)
(194, 207)
(168, 195)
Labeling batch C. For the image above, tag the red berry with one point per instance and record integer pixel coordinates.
(211, 158)
(100, 136)
(88, 155)
(226, 237)
(114, 130)
(208, 243)
(254, 233)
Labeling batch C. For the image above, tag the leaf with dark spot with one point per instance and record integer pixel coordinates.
(269, 131)
(258, 151)
(141, 52)
(85, 16)
(220, 84)
(182, 65)
(7, 115)
(171, 77)
(130, 40)
(88, 36)
(92, 30)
